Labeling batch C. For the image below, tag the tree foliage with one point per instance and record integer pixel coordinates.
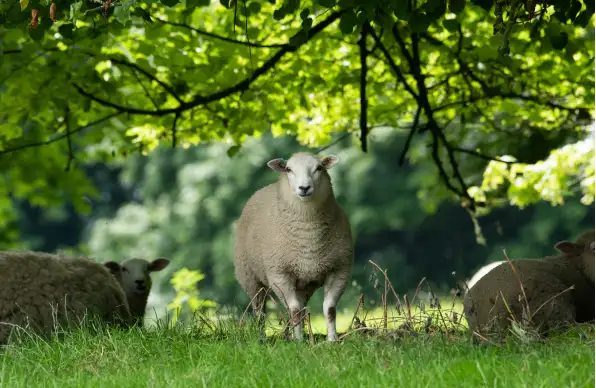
(93, 87)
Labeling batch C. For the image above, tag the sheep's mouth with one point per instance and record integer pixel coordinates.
(306, 195)
(141, 289)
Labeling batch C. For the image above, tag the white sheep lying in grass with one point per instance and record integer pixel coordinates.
(41, 292)
(294, 237)
(135, 277)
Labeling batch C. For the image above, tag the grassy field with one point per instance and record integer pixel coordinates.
(231, 357)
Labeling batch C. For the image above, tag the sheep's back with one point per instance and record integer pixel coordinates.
(272, 237)
(541, 280)
(38, 290)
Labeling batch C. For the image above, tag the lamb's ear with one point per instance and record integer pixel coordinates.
(278, 165)
(329, 161)
(112, 266)
(158, 264)
(569, 247)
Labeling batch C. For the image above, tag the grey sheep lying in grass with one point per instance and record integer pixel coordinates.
(135, 277)
(559, 290)
(41, 292)
(294, 237)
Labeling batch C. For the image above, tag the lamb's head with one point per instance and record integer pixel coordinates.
(585, 252)
(306, 174)
(134, 274)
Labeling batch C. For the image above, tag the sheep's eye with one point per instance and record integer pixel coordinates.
(288, 169)
(124, 269)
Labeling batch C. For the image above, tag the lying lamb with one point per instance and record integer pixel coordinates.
(481, 272)
(545, 282)
(294, 237)
(40, 290)
(135, 276)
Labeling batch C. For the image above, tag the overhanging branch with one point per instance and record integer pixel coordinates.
(201, 100)
(222, 38)
(59, 137)
(437, 134)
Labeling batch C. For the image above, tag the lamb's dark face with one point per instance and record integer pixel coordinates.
(136, 277)
(304, 173)
(583, 250)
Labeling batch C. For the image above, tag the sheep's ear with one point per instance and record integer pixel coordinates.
(278, 165)
(569, 247)
(112, 266)
(329, 161)
(158, 264)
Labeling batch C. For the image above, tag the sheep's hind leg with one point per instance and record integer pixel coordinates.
(258, 308)
(333, 289)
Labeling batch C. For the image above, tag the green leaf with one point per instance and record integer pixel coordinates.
(233, 150)
(140, 12)
(280, 13)
(122, 13)
(347, 22)
(24, 4)
(304, 13)
(75, 9)
(254, 7)
(168, 3)
(201, 3)
(456, 6)
(419, 22)
(66, 30)
(401, 13)
(292, 5)
(485, 4)
(582, 19)
(451, 25)
(559, 41)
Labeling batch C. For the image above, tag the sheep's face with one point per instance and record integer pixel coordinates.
(304, 173)
(135, 274)
(585, 251)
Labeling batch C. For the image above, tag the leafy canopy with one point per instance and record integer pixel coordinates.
(468, 82)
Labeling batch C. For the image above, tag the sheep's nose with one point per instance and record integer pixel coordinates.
(139, 282)
(304, 188)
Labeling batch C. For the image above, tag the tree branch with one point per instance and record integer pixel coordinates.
(436, 132)
(201, 100)
(59, 137)
(482, 156)
(174, 129)
(393, 65)
(152, 77)
(402, 158)
(222, 38)
(363, 99)
(68, 141)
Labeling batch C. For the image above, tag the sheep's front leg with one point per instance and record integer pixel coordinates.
(296, 304)
(333, 288)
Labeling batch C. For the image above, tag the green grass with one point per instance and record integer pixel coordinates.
(232, 357)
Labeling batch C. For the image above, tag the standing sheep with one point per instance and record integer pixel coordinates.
(39, 291)
(545, 282)
(135, 277)
(294, 237)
